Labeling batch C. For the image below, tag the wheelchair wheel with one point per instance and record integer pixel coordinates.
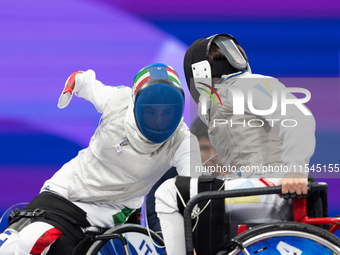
(135, 238)
(283, 238)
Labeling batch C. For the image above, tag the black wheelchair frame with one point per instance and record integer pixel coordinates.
(299, 208)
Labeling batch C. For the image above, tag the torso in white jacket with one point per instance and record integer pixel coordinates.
(100, 173)
(257, 141)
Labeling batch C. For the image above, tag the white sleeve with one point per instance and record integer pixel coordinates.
(187, 159)
(92, 90)
(296, 129)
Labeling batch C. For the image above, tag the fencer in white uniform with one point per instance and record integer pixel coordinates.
(257, 144)
(141, 135)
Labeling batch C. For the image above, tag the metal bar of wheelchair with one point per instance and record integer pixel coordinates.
(300, 215)
(114, 236)
(228, 194)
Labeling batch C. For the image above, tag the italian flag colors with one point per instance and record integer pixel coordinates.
(144, 76)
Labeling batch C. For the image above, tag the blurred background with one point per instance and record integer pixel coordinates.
(43, 42)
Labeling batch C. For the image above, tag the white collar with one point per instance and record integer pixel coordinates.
(230, 76)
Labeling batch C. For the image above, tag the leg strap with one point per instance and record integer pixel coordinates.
(56, 210)
(183, 185)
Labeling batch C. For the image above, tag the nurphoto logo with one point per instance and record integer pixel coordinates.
(281, 97)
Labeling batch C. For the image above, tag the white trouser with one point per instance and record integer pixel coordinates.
(8, 241)
(35, 238)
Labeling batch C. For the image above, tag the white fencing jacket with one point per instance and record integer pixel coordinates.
(99, 174)
(259, 140)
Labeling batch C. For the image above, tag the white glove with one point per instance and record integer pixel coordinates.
(67, 93)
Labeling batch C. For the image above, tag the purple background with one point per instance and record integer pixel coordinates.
(43, 42)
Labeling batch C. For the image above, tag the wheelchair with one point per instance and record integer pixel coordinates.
(123, 239)
(299, 237)
(127, 239)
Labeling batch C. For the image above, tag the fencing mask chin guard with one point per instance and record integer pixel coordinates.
(196, 60)
(158, 102)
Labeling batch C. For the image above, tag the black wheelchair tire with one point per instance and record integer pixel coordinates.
(293, 227)
(125, 228)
